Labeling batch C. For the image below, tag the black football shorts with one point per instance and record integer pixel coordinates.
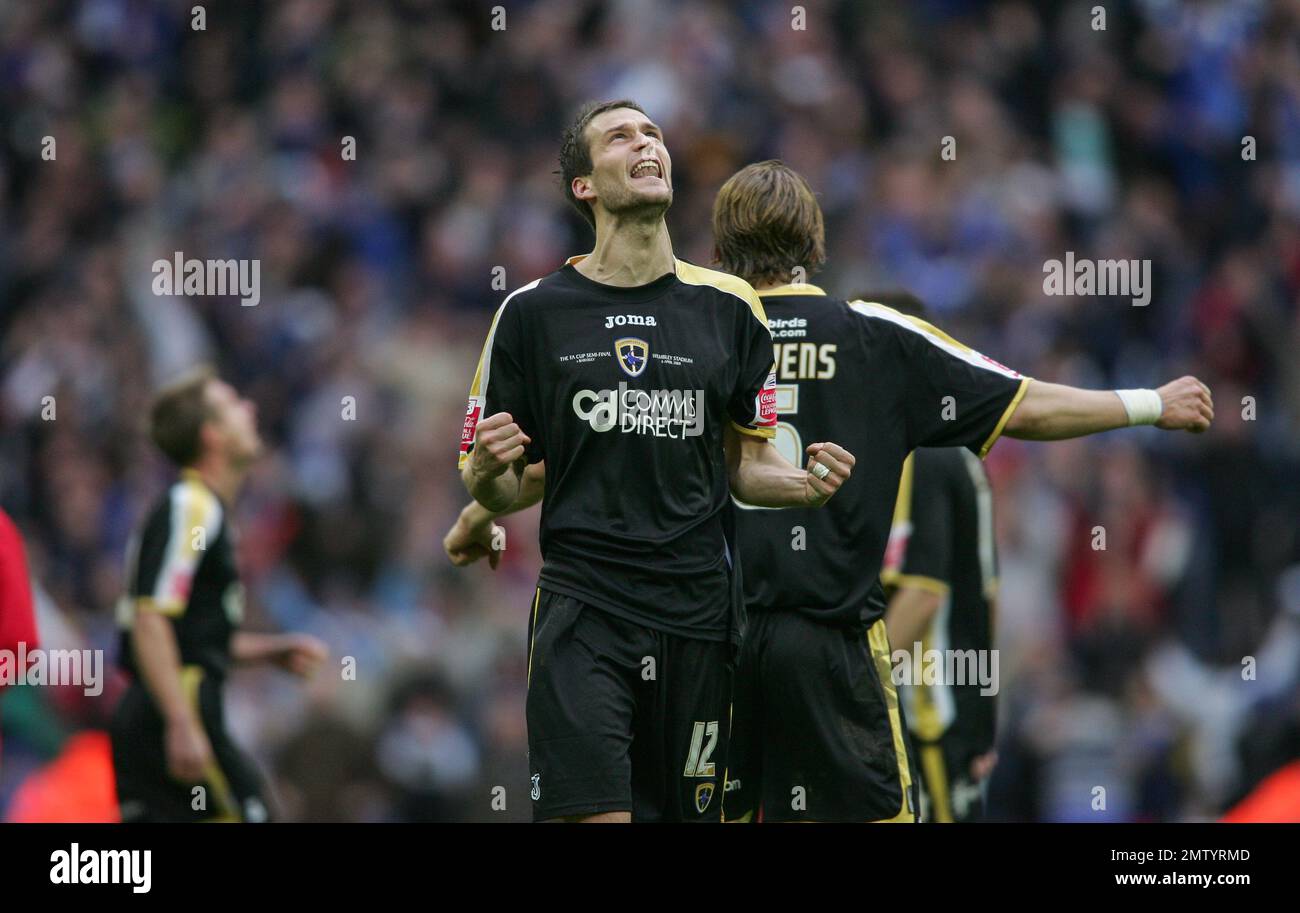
(232, 789)
(622, 717)
(817, 730)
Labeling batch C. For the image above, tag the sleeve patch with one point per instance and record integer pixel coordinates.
(767, 402)
(182, 582)
(473, 412)
(896, 548)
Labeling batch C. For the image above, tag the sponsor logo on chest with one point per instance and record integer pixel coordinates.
(622, 320)
(676, 414)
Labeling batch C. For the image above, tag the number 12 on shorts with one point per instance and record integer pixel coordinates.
(698, 763)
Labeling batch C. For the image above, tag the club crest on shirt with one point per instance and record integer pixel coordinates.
(703, 796)
(633, 355)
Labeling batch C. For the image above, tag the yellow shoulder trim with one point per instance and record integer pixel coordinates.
(792, 288)
(725, 282)
(936, 332)
(922, 325)
(202, 509)
(1006, 416)
(198, 497)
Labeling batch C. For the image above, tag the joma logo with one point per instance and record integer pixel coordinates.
(623, 320)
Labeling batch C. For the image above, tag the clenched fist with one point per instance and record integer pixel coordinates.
(498, 443)
(466, 541)
(839, 465)
(1188, 406)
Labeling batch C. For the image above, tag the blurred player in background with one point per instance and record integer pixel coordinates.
(940, 573)
(817, 728)
(626, 371)
(180, 620)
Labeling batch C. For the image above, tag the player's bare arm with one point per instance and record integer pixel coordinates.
(761, 476)
(498, 446)
(1052, 412)
(911, 609)
(157, 656)
(298, 653)
(472, 536)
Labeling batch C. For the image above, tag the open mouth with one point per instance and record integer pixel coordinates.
(647, 168)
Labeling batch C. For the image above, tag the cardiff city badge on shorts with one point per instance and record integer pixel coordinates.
(633, 355)
(703, 796)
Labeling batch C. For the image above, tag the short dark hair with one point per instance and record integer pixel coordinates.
(177, 415)
(766, 222)
(575, 151)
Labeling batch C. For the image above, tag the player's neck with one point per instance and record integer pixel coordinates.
(221, 476)
(629, 253)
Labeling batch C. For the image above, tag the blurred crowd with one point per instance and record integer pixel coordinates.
(392, 163)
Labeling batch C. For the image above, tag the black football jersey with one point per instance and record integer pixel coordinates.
(879, 384)
(626, 393)
(942, 540)
(182, 563)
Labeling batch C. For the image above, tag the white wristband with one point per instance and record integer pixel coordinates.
(1143, 406)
